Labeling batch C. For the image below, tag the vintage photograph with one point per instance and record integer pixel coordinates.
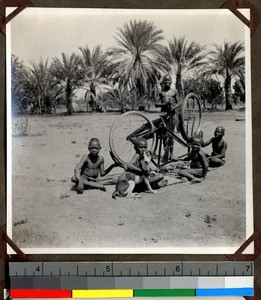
(128, 131)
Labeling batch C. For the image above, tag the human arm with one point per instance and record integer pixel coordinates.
(178, 101)
(204, 163)
(160, 103)
(78, 168)
(204, 144)
(222, 153)
(102, 171)
(131, 167)
(187, 158)
(110, 168)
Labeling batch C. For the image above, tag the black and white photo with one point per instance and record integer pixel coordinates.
(129, 131)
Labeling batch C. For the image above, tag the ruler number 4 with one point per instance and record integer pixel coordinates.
(38, 269)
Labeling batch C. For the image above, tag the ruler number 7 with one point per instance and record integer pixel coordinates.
(247, 268)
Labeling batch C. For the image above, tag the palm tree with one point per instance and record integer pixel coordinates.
(136, 62)
(240, 88)
(47, 89)
(182, 58)
(70, 73)
(227, 61)
(117, 97)
(21, 90)
(96, 67)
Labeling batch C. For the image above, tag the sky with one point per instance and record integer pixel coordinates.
(47, 32)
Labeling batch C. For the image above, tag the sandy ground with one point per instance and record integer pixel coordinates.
(47, 213)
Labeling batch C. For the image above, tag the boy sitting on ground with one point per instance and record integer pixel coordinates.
(88, 171)
(219, 148)
(136, 166)
(198, 165)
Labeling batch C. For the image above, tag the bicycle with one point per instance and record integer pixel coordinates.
(133, 124)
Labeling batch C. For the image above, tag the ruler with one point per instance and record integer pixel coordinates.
(130, 279)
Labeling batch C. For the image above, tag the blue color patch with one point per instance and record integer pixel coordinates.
(225, 292)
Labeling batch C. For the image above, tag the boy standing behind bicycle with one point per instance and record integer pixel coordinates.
(168, 101)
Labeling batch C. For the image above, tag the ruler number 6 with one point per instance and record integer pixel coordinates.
(177, 268)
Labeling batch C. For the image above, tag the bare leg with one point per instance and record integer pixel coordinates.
(80, 186)
(109, 180)
(155, 179)
(148, 186)
(93, 185)
(158, 181)
(171, 147)
(191, 174)
(74, 179)
(86, 183)
(216, 162)
(165, 157)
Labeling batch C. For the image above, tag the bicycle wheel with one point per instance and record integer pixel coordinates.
(190, 116)
(125, 130)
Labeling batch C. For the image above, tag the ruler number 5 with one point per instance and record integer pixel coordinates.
(108, 269)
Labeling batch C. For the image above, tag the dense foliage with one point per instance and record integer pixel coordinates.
(128, 76)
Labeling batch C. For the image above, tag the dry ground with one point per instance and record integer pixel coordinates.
(48, 214)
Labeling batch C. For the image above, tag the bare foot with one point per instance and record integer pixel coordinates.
(102, 188)
(79, 190)
(152, 192)
(162, 183)
(196, 180)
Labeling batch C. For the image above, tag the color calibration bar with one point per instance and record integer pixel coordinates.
(144, 279)
(128, 293)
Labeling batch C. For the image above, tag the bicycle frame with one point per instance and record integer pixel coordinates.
(139, 133)
(187, 114)
(176, 138)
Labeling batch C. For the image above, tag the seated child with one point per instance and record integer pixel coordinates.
(88, 171)
(219, 148)
(198, 165)
(136, 166)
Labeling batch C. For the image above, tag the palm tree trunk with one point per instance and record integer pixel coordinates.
(228, 94)
(179, 84)
(69, 97)
(39, 104)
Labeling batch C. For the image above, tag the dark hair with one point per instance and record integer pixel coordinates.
(94, 140)
(139, 140)
(222, 128)
(196, 139)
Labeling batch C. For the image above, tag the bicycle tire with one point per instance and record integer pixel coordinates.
(125, 129)
(190, 116)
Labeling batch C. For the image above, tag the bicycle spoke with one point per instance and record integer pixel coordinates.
(190, 116)
(127, 126)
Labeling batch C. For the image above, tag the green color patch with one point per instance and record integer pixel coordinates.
(163, 292)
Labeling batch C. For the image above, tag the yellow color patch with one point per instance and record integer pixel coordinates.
(102, 293)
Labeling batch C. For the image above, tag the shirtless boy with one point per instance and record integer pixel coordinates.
(168, 101)
(136, 165)
(198, 165)
(88, 171)
(219, 148)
